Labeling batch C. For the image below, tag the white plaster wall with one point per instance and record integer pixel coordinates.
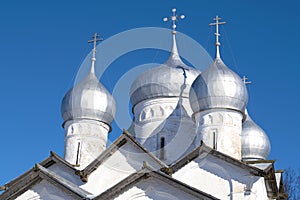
(179, 134)
(154, 189)
(149, 114)
(122, 163)
(258, 190)
(44, 190)
(86, 137)
(162, 107)
(220, 179)
(203, 180)
(154, 120)
(226, 124)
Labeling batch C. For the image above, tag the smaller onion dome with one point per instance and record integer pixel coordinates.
(218, 87)
(255, 142)
(165, 80)
(89, 100)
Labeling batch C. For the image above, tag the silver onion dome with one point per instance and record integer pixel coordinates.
(166, 80)
(89, 100)
(255, 142)
(218, 87)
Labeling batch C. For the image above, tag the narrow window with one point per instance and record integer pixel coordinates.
(162, 149)
(78, 151)
(214, 139)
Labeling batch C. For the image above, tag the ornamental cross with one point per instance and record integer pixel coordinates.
(217, 34)
(94, 40)
(173, 18)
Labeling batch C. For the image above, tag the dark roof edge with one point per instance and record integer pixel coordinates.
(49, 161)
(203, 148)
(56, 158)
(65, 183)
(120, 141)
(36, 174)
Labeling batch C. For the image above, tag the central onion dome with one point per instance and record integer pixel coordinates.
(218, 87)
(255, 142)
(166, 80)
(89, 100)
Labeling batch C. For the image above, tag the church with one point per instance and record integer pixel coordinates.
(191, 137)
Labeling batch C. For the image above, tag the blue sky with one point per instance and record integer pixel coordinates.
(43, 44)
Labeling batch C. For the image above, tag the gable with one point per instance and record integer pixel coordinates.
(149, 184)
(221, 178)
(65, 172)
(152, 188)
(46, 190)
(273, 178)
(61, 168)
(39, 182)
(122, 161)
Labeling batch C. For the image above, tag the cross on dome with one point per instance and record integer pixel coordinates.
(245, 80)
(173, 18)
(94, 41)
(174, 51)
(217, 34)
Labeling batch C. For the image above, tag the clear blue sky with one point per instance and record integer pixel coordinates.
(43, 43)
